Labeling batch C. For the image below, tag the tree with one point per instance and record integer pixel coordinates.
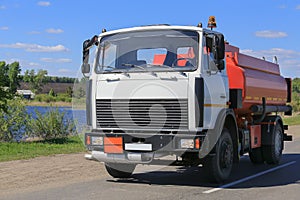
(13, 76)
(9, 82)
(296, 85)
(4, 94)
(36, 80)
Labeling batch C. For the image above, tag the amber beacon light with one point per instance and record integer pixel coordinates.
(212, 22)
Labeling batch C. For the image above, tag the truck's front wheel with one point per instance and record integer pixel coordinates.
(219, 166)
(120, 170)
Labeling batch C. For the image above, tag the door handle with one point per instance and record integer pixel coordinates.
(111, 79)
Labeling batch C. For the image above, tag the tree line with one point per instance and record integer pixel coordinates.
(10, 79)
(48, 79)
(296, 94)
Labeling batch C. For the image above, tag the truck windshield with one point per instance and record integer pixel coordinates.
(140, 51)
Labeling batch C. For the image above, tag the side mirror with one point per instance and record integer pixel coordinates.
(219, 46)
(87, 44)
(219, 50)
(85, 68)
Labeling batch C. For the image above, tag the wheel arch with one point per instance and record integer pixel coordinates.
(226, 119)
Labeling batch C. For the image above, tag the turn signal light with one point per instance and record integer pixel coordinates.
(197, 143)
(88, 140)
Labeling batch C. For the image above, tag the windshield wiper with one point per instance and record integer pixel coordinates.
(141, 67)
(167, 66)
(134, 66)
(154, 65)
(106, 66)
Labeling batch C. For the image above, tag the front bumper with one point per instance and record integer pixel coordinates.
(141, 148)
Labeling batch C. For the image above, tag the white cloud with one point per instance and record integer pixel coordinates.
(44, 3)
(64, 70)
(298, 7)
(2, 7)
(3, 28)
(54, 31)
(270, 34)
(23, 63)
(33, 64)
(35, 47)
(58, 60)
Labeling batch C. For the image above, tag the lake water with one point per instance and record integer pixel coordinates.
(73, 114)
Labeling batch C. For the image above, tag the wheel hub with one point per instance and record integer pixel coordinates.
(226, 155)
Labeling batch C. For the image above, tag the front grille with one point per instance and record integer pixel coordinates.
(163, 114)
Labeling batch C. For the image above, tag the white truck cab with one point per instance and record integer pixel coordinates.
(155, 91)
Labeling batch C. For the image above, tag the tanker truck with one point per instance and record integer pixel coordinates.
(181, 95)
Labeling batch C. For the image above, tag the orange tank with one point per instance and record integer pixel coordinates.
(256, 78)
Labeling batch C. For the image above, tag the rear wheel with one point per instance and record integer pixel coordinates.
(272, 153)
(119, 170)
(218, 167)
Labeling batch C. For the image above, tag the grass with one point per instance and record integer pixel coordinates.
(294, 120)
(27, 150)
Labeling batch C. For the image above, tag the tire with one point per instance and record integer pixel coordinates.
(120, 170)
(272, 153)
(256, 156)
(218, 167)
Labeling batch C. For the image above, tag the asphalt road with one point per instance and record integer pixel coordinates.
(247, 182)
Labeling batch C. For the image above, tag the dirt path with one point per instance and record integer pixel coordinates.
(45, 172)
(53, 171)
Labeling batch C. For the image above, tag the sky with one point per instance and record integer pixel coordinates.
(49, 34)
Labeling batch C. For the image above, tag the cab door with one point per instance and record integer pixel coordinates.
(216, 93)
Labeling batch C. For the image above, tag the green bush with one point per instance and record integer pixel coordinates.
(52, 124)
(13, 123)
(38, 98)
(64, 97)
(52, 93)
(50, 98)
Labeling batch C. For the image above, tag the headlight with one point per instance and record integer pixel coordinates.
(94, 140)
(187, 143)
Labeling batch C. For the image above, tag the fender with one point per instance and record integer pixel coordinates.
(226, 118)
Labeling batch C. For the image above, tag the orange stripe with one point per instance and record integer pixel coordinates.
(268, 98)
(216, 105)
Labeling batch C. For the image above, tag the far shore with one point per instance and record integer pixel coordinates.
(46, 104)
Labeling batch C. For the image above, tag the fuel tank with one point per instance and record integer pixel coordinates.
(256, 78)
